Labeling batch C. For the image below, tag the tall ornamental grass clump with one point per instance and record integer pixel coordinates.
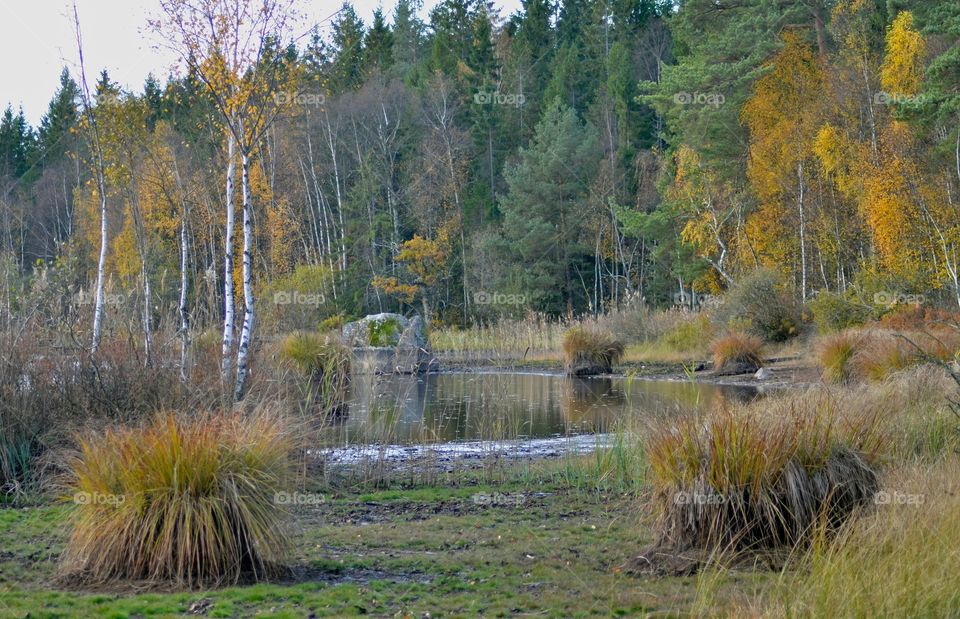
(835, 353)
(590, 351)
(737, 353)
(186, 501)
(760, 476)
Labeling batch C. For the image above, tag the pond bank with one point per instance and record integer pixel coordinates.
(792, 371)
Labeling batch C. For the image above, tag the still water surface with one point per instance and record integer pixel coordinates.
(466, 406)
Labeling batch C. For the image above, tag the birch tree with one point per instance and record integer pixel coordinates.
(93, 137)
(234, 48)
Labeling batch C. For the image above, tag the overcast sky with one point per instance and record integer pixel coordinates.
(37, 40)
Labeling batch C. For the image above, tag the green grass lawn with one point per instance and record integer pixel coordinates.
(431, 551)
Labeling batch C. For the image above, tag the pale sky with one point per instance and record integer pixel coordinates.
(37, 40)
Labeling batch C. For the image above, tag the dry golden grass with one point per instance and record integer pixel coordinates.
(591, 347)
(761, 475)
(736, 348)
(900, 560)
(834, 354)
(876, 354)
(190, 502)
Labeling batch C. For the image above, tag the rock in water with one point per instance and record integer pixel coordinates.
(389, 344)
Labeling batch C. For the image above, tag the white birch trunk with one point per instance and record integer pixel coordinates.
(102, 261)
(246, 333)
(229, 308)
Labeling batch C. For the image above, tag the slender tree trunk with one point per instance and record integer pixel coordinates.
(184, 278)
(803, 237)
(336, 184)
(246, 334)
(102, 261)
(229, 307)
(101, 189)
(145, 276)
(184, 291)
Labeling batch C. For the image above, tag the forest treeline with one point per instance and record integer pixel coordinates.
(570, 158)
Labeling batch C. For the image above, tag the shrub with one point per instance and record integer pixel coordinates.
(48, 390)
(761, 476)
(835, 354)
(737, 352)
(919, 318)
(833, 312)
(884, 354)
(186, 501)
(758, 304)
(590, 351)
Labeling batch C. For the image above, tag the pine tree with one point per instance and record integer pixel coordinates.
(378, 44)
(545, 210)
(62, 115)
(347, 50)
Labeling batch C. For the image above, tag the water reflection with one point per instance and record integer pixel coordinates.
(470, 406)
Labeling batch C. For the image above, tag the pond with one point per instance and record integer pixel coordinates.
(483, 406)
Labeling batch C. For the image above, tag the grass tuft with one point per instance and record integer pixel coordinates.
(320, 357)
(737, 351)
(590, 351)
(761, 476)
(899, 561)
(185, 501)
(835, 353)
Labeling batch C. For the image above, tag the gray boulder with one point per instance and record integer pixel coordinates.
(389, 344)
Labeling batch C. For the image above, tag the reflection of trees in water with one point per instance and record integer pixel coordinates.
(495, 406)
(591, 404)
(474, 405)
(384, 407)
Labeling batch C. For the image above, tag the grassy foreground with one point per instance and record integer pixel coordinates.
(555, 538)
(440, 551)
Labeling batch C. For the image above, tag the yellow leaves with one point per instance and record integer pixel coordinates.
(828, 146)
(282, 227)
(892, 217)
(406, 293)
(902, 70)
(126, 258)
(425, 259)
(842, 159)
(783, 117)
